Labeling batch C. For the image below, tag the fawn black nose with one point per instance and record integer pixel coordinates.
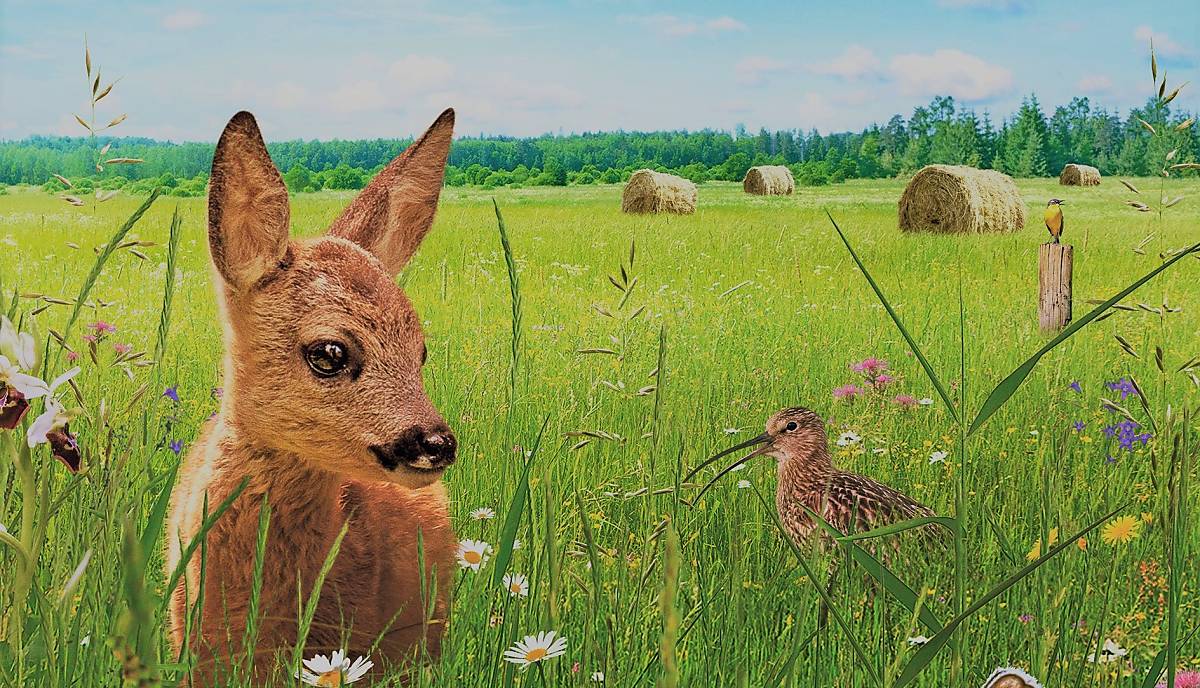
(420, 449)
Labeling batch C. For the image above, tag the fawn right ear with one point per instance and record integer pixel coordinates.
(247, 206)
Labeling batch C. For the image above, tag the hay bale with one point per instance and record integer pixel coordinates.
(656, 192)
(769, 180)
(956, 199)
(1079, 175)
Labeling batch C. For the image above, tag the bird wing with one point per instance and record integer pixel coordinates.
(870, 504)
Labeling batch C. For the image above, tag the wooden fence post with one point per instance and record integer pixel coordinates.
(1054, 286)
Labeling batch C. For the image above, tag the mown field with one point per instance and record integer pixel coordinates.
(750, 305)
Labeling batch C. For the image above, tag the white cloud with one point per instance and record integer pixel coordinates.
(726, 23)
(950, 72)
(1163, 44)
(181, 20)
(675, 27)
(357, 96)
(1094, 83)
(420, 73)
(993, 5)
(855, 62)
(288, 95)
(755, 69)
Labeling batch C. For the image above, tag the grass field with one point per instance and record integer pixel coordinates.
(757, 306)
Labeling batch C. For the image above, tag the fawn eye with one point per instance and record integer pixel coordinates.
(792, 425)
(326, 359)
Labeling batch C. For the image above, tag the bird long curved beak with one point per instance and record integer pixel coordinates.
(764, 440)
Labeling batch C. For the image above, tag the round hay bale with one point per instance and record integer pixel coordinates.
(769, 180)
(1079, 175)
(956, 199)
(656, 192)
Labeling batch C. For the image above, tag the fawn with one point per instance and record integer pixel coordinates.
(325, 413)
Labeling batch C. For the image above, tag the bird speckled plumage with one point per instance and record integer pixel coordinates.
(807, 478)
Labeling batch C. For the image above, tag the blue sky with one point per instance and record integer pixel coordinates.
(353, 69)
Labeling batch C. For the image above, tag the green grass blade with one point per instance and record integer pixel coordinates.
(930, 650)
(900, 527)
(892, 583)
(516, 508)
(912, 344)
(102, 258)
(310, 606)
(260, 551)
(1008, 386)
(164, 316)
(209, 521)
(158, 513)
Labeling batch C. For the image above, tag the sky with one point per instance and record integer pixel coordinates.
(351, 69)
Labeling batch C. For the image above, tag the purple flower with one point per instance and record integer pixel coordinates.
(1079, 426)
(1124, 386)
(123, 349)
(1186, 679)
(100, 327)
(904, 400)
(846, 392)
(217, 392)
(870, 366)
(176, 446)
(1110, 459)
(1110, 430)
(172, 393)
(1076, 387)
(1025, 618)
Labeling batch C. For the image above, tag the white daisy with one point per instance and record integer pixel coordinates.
(536, 648)
(483, 513)
(999, 675)
(597, 677)
(517, 545)
(1111, 652)
(732, 431)
(516, 584)
(938, 457)
(848, 439)
(333, 671)
(473, 554)
(925, 401)
(917, 641)
(743, 484)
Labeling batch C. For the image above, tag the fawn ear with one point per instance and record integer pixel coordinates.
(247, 206)
(394, 213)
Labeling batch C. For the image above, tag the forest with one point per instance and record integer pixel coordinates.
(1027, 143)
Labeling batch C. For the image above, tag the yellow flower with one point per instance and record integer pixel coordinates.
(1036, 551)
(1082, 544)
(1147, 517)
(1121, 530)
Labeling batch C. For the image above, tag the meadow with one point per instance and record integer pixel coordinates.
(643, 346)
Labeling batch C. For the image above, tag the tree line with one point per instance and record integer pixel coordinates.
(1025, 144)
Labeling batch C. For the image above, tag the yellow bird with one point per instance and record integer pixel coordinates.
(1054, 218)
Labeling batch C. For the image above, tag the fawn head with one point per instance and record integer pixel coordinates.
(324, 352)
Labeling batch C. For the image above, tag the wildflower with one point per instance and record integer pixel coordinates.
(904, 400)
(473, 554)
(217, 392)
(483, 513)
(1081, 543)
(333, 671)
(102, 328)
(879, 450)
(743, 484)
(999, 676)
(123, 349)
(917, 641)
(536, 648)
(925, 401)
(731, 431)
(175, 446)
(51, 428)
(1120, 530)
(846, 392)
(847, 439)
(882, 380)
(1075, 387)
(1025, 618)
(870, 366)
(17, 346)
(1186, 679)
(1079, 425)
(938, 457)
(172, 393)
(597, 677)
(1036, 551)
(1110, 459)
(517, 545)
(1125, 386)
(1111, 652)
(516, 584)
(72, 356)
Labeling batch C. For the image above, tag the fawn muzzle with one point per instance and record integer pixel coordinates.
(419, 449)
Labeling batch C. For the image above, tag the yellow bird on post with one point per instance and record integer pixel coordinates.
(1054, 218)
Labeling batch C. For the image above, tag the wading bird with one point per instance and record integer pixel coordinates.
(795, 437)
(1054, 218)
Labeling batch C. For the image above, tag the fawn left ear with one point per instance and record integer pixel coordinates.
(393, 214)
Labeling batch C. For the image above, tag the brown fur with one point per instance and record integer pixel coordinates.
(309, 445)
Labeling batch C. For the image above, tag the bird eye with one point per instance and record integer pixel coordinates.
(326, 359)
(792, 425)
